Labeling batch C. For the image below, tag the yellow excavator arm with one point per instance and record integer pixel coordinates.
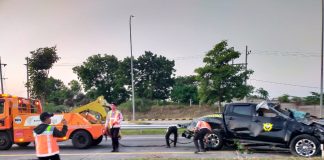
(96, 106)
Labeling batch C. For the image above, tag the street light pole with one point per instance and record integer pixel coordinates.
(132, 69)
(321, 96)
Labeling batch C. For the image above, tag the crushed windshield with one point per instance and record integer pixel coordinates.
(298, 115)
(292, 113)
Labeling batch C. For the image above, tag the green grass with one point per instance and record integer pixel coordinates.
(284, 158)
(146, 131)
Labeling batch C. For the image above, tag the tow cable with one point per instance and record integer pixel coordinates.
(171, 142)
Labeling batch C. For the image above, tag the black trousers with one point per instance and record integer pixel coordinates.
(114, 138)
(171, 130)
(54, 157)
(200, 136)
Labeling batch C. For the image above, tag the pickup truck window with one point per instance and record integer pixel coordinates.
(243, 110)
(1, 105)
(266, 113)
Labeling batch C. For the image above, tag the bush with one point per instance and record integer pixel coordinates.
(141, 105)
(51, 107)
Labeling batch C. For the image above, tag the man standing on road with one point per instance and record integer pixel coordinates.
(113, 121)
(201, 129)
(45, 143)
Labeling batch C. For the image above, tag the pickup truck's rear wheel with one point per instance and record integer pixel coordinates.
(81, 139)
(97, 141)
(305, 146)
(214, 141)
(23, 144)
(5, 142)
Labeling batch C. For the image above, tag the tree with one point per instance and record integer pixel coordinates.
(56, 91)
(153, 76)
(284, 98)
(218, 79)
(185, 89)
(313, 99)
(99, 75)
(297, 100)
(263, 93)
(40, 62)
(75, 87)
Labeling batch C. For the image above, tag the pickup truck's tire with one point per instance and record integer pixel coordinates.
(304, 145)
(97, 141)
(215, 141)
(5, 141)
(23, 144)
(81, 139)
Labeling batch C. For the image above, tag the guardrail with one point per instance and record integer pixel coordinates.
(161, 119)
(163, 126)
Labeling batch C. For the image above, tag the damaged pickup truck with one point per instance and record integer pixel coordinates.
(263, 124)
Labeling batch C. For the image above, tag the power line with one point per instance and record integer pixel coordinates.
(286, 84)
(287, 54)
(272, 51)
(264, 52)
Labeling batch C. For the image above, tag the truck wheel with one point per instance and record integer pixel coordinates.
(5, 142)
(81, 139)
(305, 145)
(215, 141)
(23, 144)
(97, 141)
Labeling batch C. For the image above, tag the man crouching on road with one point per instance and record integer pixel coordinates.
(201, 129)
(46, 145)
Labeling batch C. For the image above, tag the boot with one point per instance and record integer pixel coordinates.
(117, 146)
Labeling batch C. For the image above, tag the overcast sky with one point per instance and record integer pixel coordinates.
(284, 36)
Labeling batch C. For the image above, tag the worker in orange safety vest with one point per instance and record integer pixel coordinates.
(112, 125)
(45, 141)
(202, 128)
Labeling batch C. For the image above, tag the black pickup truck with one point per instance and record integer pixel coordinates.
(264, 123)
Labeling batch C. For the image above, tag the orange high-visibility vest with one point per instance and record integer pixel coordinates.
(114, 119)
(203, 124)
(45, 143)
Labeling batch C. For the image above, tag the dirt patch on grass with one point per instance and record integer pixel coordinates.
(172, 111)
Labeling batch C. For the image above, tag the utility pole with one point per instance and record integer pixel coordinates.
(1, 78)
(27, 64)
(321, 96)
(246, 63)
(132, 72)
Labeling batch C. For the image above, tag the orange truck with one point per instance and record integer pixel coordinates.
(19, 116)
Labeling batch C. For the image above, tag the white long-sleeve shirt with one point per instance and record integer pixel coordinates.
(114, 119)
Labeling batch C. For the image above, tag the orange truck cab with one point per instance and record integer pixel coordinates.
(19, 116)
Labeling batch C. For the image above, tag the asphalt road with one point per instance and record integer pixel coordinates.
(152, 146)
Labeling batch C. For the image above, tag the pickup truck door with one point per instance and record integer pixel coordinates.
(268, 127)
(238, 119)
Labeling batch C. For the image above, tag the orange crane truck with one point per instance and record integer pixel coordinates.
(19, 116)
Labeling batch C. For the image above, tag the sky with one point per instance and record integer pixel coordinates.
(284, 36)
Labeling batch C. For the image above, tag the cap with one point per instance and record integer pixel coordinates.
(45, 115)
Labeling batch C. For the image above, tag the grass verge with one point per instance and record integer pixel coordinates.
(287, 158)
